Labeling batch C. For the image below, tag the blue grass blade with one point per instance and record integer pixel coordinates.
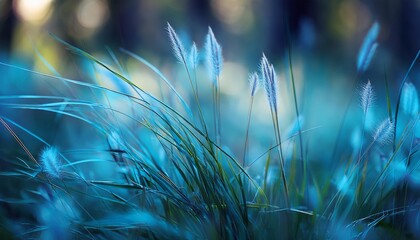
(33, 97)
(388, 99)
(86, 161)
(115, 59)
(56, 104)
(397, 107)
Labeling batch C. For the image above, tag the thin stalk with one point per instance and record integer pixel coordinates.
(195, 78)
(296, 109)
(244, 162)
(194, 90)
(359, 158)
(215, 111)
(361, 184)
(388, 99)
(267, 164)
(247, 131)
(18, 140)
(399, 99)
(283, 172)
(363, 138)
(241, 181)
(405, 185)
(218, 112)
(280, 152)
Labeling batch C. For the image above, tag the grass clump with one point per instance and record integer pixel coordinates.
(155, 167)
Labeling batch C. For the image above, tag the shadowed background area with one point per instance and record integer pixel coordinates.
(334, 28)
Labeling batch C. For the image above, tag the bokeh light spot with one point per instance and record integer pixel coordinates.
(92, 13)
(33, 11)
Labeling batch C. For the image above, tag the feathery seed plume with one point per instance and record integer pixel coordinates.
(177, 45)
(254, 83)
(268, 75)
(50, 162)
(193, 56)
(213, 56)
(384, 132)
(367, 96)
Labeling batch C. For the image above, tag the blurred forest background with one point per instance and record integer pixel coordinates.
(335, 28)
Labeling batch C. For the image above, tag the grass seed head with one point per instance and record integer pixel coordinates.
(50, 161)
(268, 75)
(214, 57)
(367, 96)
(177, 46)
(384, 132)
(254, 83)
